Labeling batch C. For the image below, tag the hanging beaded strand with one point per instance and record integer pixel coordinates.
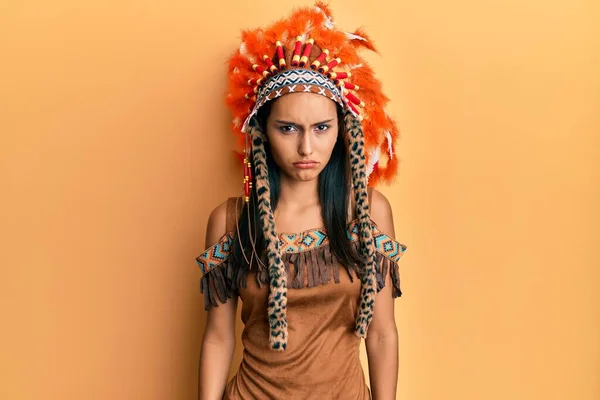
(247, 172)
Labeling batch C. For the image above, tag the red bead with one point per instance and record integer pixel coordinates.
(339, 75)
(320, 60)
(280, 56)
(255, 82)
(352, 108)
(307, 49)
(297, 50)
(270, 65)
(330, 65)
(261, 70)
(350, 96)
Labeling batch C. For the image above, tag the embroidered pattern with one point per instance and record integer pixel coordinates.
(299, 242)
(302, 242)
(215, 255)
(388, 246)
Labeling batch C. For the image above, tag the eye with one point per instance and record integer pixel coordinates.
(322, 127)
(287, 128)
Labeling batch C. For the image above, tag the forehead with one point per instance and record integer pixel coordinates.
(304, 106)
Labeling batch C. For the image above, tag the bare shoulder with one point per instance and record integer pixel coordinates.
(381, 212)
(217, 224)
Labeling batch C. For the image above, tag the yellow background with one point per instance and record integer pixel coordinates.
(114, 148)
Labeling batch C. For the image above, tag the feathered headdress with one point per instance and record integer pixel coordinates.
(307, 53)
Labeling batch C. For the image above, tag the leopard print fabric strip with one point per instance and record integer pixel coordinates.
(356, 145)
(277, 303)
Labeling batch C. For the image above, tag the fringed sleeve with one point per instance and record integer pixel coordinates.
(388, 253)
(217, 273)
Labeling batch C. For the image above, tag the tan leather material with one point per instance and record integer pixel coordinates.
(234, 205)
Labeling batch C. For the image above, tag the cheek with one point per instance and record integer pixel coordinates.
(329, 143)
(279, 149)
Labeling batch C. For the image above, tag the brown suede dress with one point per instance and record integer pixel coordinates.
(322, 356)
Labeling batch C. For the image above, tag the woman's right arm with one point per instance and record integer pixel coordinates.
(218, 343)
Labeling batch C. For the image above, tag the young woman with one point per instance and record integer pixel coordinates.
(310, 247)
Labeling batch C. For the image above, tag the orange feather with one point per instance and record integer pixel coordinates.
(368, 43)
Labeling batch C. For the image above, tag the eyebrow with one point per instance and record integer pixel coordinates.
(295, 124)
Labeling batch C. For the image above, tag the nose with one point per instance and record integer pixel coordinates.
(305, 147)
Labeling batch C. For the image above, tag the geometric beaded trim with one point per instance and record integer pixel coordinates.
(301, 78)
(215, 254)
(297, 80)
(300, 242)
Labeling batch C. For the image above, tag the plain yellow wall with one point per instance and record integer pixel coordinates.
(114, 148)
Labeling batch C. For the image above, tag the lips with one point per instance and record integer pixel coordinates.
(305, 164)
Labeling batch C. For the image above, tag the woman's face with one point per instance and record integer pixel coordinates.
(302, 130)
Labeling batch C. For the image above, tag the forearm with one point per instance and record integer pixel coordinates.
(215, 361)
(382, 353)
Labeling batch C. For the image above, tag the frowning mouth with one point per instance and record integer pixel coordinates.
(305, 164)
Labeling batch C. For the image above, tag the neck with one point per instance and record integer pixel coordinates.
(298, 195)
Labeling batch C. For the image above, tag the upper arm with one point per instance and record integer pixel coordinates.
(220, 323)
(383, 320)
(381, 213)
(216, 226)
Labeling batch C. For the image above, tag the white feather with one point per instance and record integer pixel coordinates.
(352, 36)
(354, 66)
(374, 156)
(308, 29)
(390, 145)
(328, 21)
(284, 37)
(244, 52)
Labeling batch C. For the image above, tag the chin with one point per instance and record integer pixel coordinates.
(304, 175)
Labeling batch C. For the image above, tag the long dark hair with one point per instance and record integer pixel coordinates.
(334, 196)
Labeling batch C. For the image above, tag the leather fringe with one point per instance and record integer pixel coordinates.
(304, 269)
(217, 285)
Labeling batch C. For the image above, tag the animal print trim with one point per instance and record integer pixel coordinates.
(356, 147)
(277, 302)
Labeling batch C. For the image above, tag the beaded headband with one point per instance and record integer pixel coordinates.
(295, 81)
